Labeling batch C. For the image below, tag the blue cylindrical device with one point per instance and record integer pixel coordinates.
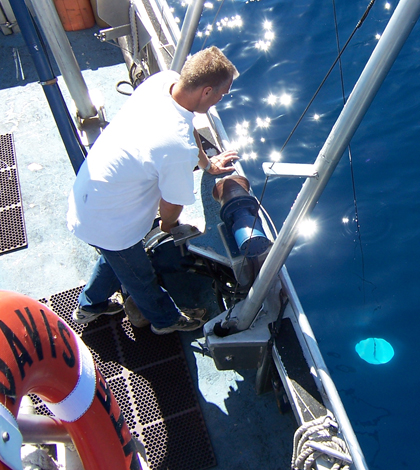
(239, 212)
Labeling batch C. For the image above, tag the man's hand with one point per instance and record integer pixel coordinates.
(169, 214)
(167, 227)
(223, 163)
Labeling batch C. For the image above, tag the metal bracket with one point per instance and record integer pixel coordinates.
(184, 232)
(290, 169)
(113, 33)
(10, 440)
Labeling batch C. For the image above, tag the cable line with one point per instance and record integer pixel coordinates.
(356, 211)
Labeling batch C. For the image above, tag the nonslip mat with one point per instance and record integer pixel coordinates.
(12, 223)
(150, 380)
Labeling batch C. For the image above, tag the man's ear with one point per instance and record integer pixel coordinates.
(207, 90)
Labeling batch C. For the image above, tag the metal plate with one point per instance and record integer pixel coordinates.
(150, 380)
(12, 223)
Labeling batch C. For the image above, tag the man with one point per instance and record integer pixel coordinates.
(143, 162)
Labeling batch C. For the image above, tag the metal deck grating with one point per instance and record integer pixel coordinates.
(12, 223)
(149, 377)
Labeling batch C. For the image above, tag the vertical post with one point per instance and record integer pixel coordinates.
(60, 46)
(65, 124)
(189, 27)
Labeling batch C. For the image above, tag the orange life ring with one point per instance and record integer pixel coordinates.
(41, 354)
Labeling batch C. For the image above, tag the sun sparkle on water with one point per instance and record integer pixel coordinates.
(285, 99)
(275, 156)
(272, 99)
(265, 44)
(308, 228)
(267, 25)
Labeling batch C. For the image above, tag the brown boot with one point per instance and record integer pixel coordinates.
(195, 313)
(183, 323)
(134, 314)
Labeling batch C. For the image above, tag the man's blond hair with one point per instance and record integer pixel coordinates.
(209, 67)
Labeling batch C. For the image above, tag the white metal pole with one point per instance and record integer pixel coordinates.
(334, 399)
(63, 53)
(188, 30)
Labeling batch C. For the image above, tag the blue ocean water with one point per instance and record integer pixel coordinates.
(353, 285)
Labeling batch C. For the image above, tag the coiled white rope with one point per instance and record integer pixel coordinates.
(318, 438)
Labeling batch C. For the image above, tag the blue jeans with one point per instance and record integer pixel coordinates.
(132, 269)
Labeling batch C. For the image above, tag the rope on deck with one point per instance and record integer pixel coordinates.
(318, 438)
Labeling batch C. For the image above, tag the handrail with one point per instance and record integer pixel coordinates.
(38, 429)
(167, 16)
(323, 374)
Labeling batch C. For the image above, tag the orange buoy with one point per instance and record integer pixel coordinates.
(75, 14)
(41, 354)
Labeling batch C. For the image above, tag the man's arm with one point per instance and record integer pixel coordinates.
(203, 159)
(169, 214)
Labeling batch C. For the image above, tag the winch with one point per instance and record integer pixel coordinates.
(239, 212)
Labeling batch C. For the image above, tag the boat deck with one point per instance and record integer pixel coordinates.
(246, 431)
